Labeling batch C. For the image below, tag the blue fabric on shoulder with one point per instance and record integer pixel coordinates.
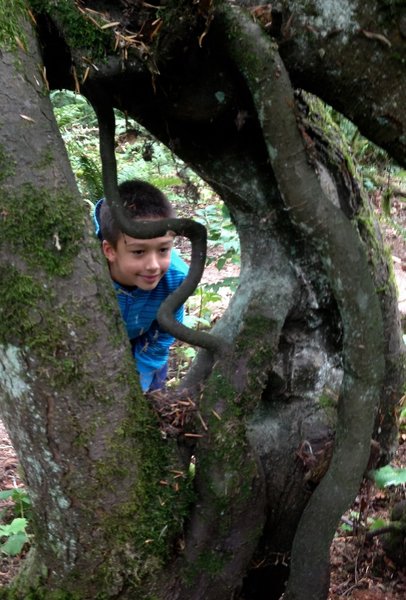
(96, 218)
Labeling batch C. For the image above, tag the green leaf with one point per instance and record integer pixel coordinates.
(14, 544)
(18, 525)
(189, 352)
(377, 524)
(388, 475)
(221, 262)
(5, 494)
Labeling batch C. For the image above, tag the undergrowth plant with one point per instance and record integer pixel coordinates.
(14, 521)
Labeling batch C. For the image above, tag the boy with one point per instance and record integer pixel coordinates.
(144, 273)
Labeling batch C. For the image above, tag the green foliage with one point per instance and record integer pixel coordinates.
(377, 524)
(364, 151)
(184, 356)
(142, 157)
(21, 501)
(379, 173)
(221, 232)
(199, 307)
(13, 535)
(388, 475)
(71, 110)
(16, 536)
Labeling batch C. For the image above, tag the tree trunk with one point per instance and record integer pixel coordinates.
(91, 453)
(312, 333)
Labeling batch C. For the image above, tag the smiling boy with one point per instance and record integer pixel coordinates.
(144, 273)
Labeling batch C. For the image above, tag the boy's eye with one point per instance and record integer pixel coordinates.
(138, 252)
(165, 250)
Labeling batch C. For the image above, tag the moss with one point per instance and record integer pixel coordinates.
(28, 320)
(228, 471)
(79, 32)
(38, 594)
(327, 401)
(19, 297)
(210, 561)
(7, 164)
(144, 528)
(45, 228)
(11, 33)
(253, 330)
(46, 158)
(321, 117)
(377, 252)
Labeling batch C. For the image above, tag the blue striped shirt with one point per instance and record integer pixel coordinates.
(150, 344)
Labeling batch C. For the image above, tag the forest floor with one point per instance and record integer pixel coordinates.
(360, 568)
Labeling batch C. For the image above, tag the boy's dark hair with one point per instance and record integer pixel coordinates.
(142, 200)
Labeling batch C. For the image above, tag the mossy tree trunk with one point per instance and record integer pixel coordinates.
(91, 454)
(273, 405)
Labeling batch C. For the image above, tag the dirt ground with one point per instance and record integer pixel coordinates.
(360, 568)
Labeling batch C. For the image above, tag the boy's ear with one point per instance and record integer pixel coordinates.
(108, 250)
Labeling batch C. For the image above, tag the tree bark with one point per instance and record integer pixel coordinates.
(269, 421)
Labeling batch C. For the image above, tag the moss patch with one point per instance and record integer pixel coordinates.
(79, 32)
(11, 33)
(38, 594)
(28, 319)
(7, 164)
(45, 228)
(19, 297)
(144, 528)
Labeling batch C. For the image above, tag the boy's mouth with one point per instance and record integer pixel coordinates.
(150, 278)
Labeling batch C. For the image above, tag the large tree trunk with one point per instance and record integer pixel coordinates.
(91, 453)
(312, 341)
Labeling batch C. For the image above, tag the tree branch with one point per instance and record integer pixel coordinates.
(333, 235)
(196, 232)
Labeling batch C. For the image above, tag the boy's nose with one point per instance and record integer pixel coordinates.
(153, 263)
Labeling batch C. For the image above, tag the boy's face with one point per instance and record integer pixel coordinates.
(140, 263)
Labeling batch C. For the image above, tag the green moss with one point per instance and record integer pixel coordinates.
(377, 252)
(326, 401)
(44, 227)
(7, 164)
(144, 526)
(19, 297)
(11, 12)
(78, 31)
(210, 562)
(321, 117)
(46, 158)
(38, 594)
(226, 459)
(29, 320)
